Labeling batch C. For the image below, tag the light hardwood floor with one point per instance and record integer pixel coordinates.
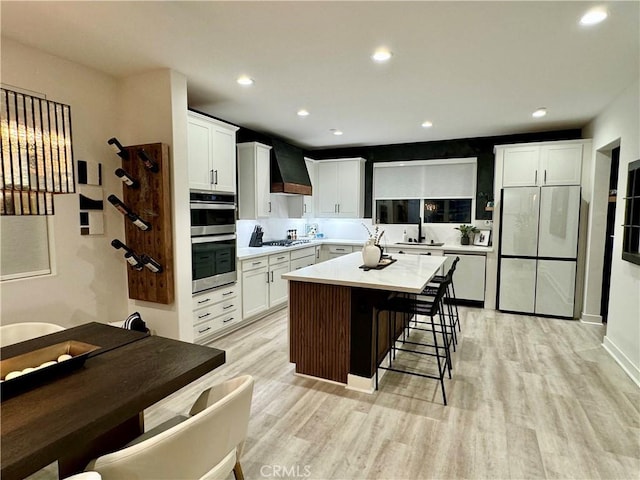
(530, 398)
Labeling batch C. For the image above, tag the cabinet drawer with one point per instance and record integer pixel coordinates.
(254, 263)
(278, 258)
(214, 325)
(303, 252)
(340, 249)
(214, 296)
(299, 263)
(215, 310)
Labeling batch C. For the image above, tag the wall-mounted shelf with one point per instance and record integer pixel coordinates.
(151, 200)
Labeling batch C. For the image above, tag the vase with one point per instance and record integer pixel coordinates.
(371, 254)
(464, 240)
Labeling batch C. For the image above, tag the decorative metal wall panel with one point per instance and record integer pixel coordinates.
(37, 155)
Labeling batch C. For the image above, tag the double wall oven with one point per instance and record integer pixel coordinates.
(213, 240)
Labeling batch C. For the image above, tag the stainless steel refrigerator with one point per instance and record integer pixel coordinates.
(538, 250)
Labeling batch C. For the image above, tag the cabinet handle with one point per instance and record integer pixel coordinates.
(281, 258)
(272, 277)
(304, 208)
(335, 208)
(317, 253)
(228, 307)
(536, 180)
(202, 331)
(267, 277)
(204, 301)
(215, 177)
(228, 293)
(269, 207)
(545, 176)
(339, 249)
(254, 263)
(211, 181)
(204, 316)
(338, 208)
(227, 320)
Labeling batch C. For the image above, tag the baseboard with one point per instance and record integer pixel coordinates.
(625, 363)
(592, 319)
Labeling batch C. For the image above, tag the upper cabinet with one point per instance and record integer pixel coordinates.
(340, 188)
(556, 163)
(254, 180)
(308, 208)
(211, 154)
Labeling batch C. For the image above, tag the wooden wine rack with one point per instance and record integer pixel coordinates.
(151, 201)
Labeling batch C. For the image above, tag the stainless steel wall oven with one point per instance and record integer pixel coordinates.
(213, 240)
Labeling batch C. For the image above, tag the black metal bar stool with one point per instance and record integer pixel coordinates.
(415, 306)
(450, 295)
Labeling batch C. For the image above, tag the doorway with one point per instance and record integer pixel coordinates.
(608, 246)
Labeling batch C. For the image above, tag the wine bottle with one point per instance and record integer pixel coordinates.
(151, 264)
(149, 163)
(118, 148)
(129, 254)
(122, 208)
(128, 180)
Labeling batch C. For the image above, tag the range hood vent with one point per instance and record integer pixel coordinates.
(289, 170)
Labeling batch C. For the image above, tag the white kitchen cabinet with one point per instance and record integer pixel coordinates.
(328, 252)
(255, 286)
(302, 257)
(262, 283)
(308, 207)
(278, 287)
(554, 163)
(254, 180)
(469, 277)
(340, 188)
(215, 311)
(211, 153)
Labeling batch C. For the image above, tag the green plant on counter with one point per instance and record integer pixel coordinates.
(466, 231)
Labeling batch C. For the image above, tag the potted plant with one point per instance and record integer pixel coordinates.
(466, 231)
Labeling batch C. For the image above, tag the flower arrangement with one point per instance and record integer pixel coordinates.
(376, 236)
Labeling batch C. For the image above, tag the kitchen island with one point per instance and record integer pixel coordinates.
(332, 307)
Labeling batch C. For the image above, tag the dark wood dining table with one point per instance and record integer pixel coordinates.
(98, 407)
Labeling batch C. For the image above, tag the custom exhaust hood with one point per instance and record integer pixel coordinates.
(289, 170)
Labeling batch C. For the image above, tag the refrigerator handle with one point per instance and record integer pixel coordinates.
(545, 176)
(536, 179)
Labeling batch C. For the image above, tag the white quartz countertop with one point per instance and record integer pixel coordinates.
(245, 253)
(409, 274)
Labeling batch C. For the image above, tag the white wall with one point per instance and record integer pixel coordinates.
(621, 121)
(89, 282)
(151, 105)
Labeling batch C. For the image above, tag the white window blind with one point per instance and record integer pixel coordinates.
(24, 247)
(451, 178)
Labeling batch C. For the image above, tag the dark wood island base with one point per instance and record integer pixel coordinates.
(331, 333)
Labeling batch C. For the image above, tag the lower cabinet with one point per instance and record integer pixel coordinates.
(262, 283)
(332, 251)
(469, 277)
(215, 311)
(303, 258)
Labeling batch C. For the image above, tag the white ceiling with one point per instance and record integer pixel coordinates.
(472, 68)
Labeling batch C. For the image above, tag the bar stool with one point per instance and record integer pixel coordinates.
(450, 295)
(415, 306)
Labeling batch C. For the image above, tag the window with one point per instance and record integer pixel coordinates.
(24, 247)
(438, 191)
(631, 227)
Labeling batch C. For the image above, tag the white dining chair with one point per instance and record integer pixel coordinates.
(19, 332)
(205, 445)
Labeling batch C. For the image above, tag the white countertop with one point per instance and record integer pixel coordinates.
(245, 253)
(409, 274)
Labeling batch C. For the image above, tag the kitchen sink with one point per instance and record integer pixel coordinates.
(422, 244)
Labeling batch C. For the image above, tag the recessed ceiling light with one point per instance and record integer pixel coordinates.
(381, 55)
(539, 113)
(593, 16)
(427, 124)
(245, 80)
(303, 113)
(335, 131)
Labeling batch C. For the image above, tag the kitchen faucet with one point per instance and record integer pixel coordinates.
(420, 237)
